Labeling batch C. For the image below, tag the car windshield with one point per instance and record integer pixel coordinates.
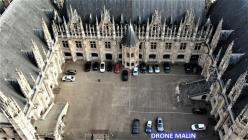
(197, 126)
(102, 65)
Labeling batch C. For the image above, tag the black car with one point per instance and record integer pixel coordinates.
(87, 66)
(142, 68)
(192, 68)
(109, 67)
(95, 66)
(124, 75)
(71, 72)
(136, 126)
(200, 111)
(167, 67)
(188, 68)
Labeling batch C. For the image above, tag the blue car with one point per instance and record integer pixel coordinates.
(148, 128)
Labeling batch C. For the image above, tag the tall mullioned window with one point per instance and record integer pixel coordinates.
(183, 46)
(65, 44)
(107, 45)
(78, 44)
(93, 44)
(153, 45)
(140, 45)
(197, 46)
(168, 46)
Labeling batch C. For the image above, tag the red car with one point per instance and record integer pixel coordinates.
(117, 68)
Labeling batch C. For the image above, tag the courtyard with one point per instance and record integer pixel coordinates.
(101, 101)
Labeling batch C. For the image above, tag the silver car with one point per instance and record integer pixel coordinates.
(68, 78)
(150, 69)
(160, 125)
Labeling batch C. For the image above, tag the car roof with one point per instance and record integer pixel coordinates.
(201, 125)
(149, 122)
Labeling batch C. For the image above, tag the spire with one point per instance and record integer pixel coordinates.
(24, 85)
(226, 59)
(47, 34)
(122, 19)
(9, 106)
(37, 55)
(147, 29)
(217, 58)
(82, 27)
(237, 88)
(105, 16)
(216, 36)
(196, 29)
(113, 28)
(97, 28)
(189, 18)
(156, 18)
(17, 118)
(130, 39)
(66, 27)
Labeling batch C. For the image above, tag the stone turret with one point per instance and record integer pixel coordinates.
(130, 49)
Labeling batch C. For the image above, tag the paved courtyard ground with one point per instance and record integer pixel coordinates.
(111, 104)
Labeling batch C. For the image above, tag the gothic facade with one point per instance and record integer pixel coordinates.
(154, 42)
(31, 117)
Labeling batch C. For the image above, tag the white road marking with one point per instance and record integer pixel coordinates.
(160, 74)
(142, 112)
(129, 94)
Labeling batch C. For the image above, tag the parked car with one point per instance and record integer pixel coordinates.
(117, 68)
(68, 78)
(142, 68)
(156, 68)
(109, 67)
(192, 68)
(150, 69)
(71, 72)
(148, 127)
(188, 68)
(95, 66)
(102, 67)
(199, 110)
(135, 71)
(124, 75)
(198, 127)
(87, 66)
(167, 67)
(136, 126)
(160, 125)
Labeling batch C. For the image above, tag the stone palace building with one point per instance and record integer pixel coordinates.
(39, 36)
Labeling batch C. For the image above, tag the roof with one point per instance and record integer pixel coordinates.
(17, 25)
(130, 39)
(196, 88)
(47, 126)
(241, 102)
(240, 33)
(133, 9)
